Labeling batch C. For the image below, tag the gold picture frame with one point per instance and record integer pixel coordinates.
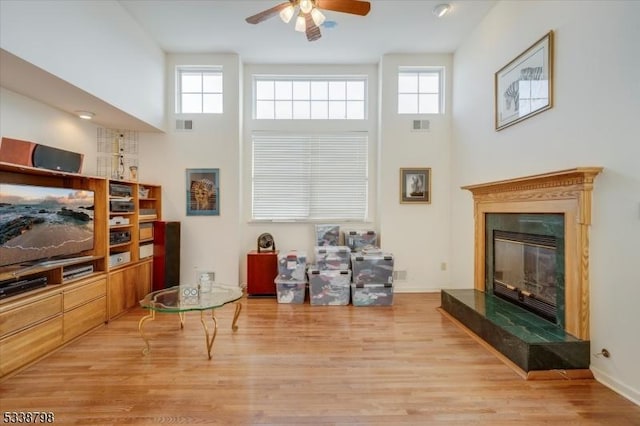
(524, 87)
(415, 185)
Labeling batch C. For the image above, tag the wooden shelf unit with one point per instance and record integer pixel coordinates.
(36, 322)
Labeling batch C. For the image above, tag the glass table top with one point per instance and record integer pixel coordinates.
(187, 298)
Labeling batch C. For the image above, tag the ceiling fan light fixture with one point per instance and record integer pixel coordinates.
(287, 13)
(441, 9)
(301, 24)
(306, 6)
(317, 16)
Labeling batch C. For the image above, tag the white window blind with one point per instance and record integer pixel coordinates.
(310, 177)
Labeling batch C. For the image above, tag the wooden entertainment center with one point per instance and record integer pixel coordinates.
(112, 277)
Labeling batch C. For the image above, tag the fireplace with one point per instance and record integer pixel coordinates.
(553, 209)
(530, 300)
(525, 261)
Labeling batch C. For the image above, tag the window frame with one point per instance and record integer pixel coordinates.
(417, 70)
(203, 70)
(310, 101)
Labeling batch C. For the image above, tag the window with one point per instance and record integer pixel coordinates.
(420, 90)
(310, 177)
(199, 90)
(305, 98)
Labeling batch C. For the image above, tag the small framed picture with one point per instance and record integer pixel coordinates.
(415, 185)
(203, 192)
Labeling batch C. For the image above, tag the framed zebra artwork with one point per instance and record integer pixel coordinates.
(524, 87)
(203, 192)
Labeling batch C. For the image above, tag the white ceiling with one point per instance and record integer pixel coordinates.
(392, 26)
(218, 26)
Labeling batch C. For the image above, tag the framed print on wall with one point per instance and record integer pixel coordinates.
(203, 192)
(415, 185)
(524, 87)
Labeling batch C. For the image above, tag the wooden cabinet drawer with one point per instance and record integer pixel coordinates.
(28, 345)
(146, 231)
(79, 295)
(30, 313)
(83, 318)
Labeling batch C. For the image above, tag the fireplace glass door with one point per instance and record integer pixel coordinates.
(525, 270)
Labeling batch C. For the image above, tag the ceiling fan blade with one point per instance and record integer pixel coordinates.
(354, 7)
(313, 32)
(266, 14)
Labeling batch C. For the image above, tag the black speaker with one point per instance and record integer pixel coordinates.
(166, 254)
(47, 157)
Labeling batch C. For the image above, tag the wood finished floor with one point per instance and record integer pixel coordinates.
(301, 365)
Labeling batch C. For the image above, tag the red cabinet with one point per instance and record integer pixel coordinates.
(262, 269)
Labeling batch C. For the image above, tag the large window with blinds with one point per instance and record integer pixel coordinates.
(307, 177)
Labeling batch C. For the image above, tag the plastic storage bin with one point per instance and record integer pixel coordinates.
(372, 268)
(332, 257)
(290, 291)
(329, 287)
(372, 294)
(327, 235)
(357, 240)
(292, 265)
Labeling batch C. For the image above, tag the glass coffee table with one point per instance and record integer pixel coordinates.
(182, 299)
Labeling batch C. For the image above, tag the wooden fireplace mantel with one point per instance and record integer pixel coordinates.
(565, 191)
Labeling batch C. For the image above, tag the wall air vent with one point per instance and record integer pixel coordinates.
(399, 275)
(184, 125)
(420, 125)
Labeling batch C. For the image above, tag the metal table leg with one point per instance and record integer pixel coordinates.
(150, 316)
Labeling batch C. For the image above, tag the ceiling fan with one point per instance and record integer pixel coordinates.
(309, 15)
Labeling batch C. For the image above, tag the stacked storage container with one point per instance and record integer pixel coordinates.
(335, 258)
(372, 276)
(330, 277)
(327, 235)
(291, 283)
(358, 240)
(329, 287)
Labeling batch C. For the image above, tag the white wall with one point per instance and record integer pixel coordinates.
(25, 119)
(417, 234)
(94, 45)
(208, 243)
(593, 123)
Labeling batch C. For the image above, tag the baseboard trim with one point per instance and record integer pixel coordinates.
(631, 394)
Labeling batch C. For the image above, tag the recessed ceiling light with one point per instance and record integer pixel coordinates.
(85, 115)
(441, 9)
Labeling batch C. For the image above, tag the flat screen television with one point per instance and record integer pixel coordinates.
(43, 223)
